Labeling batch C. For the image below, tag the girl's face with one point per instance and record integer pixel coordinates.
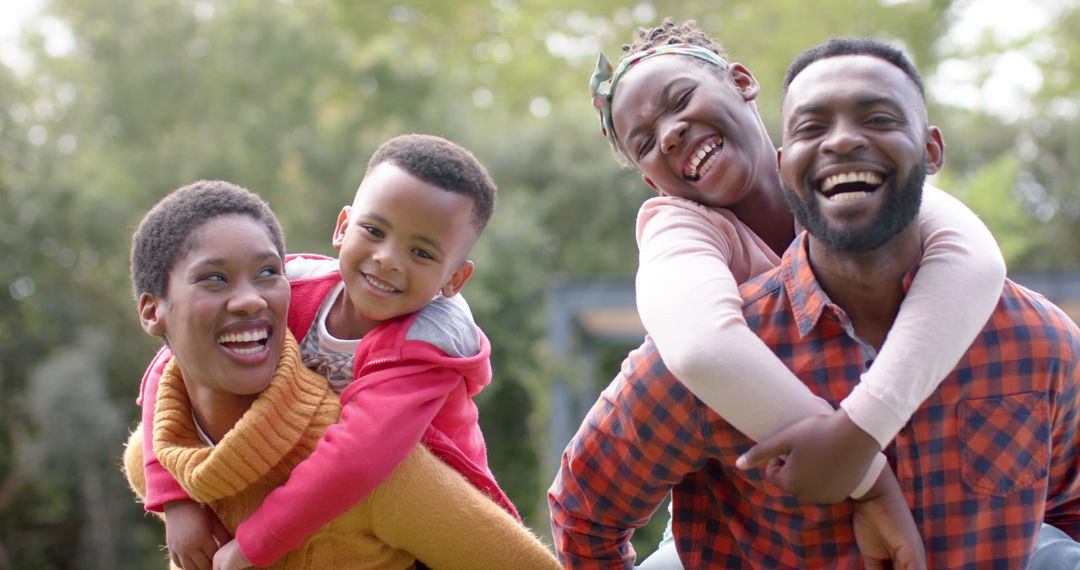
(224, 315)
(692, 129)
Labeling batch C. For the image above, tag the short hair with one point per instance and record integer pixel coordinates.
(669, 33)
(441, 163)
(836, 47)
(164, 235)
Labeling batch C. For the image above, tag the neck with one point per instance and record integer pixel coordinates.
(345, 322)
(217, 411)
(867, 286)
(764, 209)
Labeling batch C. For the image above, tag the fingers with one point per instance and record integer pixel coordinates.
(220, 533)
(773, 447)
(875, 564)
(198, 560)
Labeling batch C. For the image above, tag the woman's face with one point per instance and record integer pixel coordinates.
(224, 315)
(692, 129)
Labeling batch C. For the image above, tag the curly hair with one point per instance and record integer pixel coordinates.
(165, 234)
(668, 33)
(441, 163)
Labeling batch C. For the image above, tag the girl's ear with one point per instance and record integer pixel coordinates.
(650, 183)
(744, 81)
(458, 279)
(151, 314)
(340, 227)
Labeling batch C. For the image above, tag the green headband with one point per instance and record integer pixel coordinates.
(602, 83)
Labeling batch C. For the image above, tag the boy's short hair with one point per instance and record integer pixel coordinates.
(441, 163)
(668, 33)
(836, 47)
(164, 235)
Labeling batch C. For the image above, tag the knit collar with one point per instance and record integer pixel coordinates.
(248, 452)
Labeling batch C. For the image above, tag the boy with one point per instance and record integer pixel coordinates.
(403, 247)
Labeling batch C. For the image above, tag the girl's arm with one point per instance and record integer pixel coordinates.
(430, 511)
(384, 416)
(689, 302)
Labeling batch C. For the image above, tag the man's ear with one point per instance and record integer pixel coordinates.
(935, 150)
(151, 309)
(744, 81)
(458, 279)
(340, 227)
(650, 183)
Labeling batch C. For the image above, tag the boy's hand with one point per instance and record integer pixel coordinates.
(193, 534)
(820, 459)
(884, 529)
(230, 557)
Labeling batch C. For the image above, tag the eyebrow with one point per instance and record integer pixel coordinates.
(430, 241)
(818, 108)
(665, 96)
(219, 261)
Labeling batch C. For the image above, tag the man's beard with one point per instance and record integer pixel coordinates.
(899, 209)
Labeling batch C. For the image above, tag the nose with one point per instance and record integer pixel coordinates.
(246, 299)
(386, 256)
(843, 138)
(672, 132)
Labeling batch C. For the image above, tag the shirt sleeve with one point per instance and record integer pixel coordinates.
(689, 302)
(385, 412)
(1063, 491)
(955, 291)
(161, 487)
(600, 494)
(430, 511)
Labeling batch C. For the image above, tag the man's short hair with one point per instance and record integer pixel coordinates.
(441, 163)
(836, 47)
(165, 234)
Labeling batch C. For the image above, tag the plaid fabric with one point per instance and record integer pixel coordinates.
(986, 458)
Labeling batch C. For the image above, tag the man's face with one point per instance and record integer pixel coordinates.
(692, 128)
(856, 151)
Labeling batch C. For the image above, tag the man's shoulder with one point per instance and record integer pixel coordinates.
(765, 286)
(1027, 314)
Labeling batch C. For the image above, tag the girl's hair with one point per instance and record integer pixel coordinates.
(669, 32)
(165, 234)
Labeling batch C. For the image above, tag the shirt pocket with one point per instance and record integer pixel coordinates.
(1004, 442)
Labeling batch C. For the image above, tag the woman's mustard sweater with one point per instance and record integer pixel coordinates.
(424, 511)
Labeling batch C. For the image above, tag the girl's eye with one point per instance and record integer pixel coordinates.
(643, 148)
(683, 99)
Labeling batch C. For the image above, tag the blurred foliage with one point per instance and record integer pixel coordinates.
(289, 98)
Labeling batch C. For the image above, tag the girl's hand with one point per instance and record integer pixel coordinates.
(230, 557)
(193, 534)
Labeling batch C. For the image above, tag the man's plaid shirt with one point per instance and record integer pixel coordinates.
(990, 454)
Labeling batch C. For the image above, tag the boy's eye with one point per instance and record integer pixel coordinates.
(423, 254)
(374, 231)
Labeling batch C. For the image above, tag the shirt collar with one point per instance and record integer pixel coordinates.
(808, 300)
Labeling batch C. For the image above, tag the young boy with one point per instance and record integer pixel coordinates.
(384, 325)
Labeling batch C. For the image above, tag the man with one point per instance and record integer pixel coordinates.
(986, 459)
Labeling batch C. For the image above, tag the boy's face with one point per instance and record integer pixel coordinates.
(224, 313)
(400, 243)
(692, 129)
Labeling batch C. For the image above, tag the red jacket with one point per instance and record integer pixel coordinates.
(405, 392)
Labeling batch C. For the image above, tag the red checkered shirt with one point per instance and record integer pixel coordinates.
(989, 456)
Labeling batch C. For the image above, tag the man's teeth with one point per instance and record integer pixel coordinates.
(849, 177)
(246, 336)
(845, 196)
(379, 285)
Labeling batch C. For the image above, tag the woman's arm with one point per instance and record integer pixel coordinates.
(429, 510)
(689, 302)
(955, 291)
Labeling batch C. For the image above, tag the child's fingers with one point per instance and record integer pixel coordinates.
(773, 447)
(220, 533)
(196, 561)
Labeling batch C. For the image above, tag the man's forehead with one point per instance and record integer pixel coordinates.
(827, 78)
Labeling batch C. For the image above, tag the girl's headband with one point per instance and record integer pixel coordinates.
(602, 83)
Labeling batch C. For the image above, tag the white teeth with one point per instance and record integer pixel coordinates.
(845, 196)
(246, 336)
(846, 177)
(705, 168)
(253, 350)
(379, 285)
(696, 169)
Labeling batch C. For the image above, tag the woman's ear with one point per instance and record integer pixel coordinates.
(458, 279)
(151, 314)
(744, 81)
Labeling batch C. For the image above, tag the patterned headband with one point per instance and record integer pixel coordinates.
(602, 83)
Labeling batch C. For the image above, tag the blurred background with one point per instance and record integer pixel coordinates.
(107, 105)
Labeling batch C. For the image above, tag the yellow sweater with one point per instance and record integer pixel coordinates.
(424, 511)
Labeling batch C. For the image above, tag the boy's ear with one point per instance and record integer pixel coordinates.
(458, 279)
(745, 81)
(150, 314)
(340, 227)
(935, 150)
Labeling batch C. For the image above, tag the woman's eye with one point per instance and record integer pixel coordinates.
(213, 277)
(269, 272)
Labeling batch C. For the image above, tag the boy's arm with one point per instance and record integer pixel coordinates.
(955, 291)
(161, 487)
(689, 302)
(430, 511)
(386, 413)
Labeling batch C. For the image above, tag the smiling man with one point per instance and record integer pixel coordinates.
(985, 460)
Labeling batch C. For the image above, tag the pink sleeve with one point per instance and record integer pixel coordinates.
(161, 487)
(385, 413)
(955, 291)
(689, 302)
